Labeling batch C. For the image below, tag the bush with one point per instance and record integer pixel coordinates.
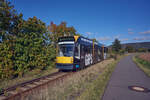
(26, 51)
(142, 50)
(6, 59)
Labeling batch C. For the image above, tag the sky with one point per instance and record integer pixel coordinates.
(105, 20)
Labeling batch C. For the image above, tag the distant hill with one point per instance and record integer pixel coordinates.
(137, 45)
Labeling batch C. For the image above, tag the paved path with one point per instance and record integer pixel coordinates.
(126, 74)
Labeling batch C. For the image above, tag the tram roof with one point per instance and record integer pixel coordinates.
(79, 38)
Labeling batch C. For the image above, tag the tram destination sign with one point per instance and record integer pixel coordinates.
(61, 39)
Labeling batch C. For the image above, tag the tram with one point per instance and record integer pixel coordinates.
(78, 52)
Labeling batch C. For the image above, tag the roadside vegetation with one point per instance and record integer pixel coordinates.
(28, 50)
(143, 61)
(36, 73)
(95, 89)
(87, 84)
(27, 45)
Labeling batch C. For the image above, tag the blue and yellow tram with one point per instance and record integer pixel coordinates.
(77, 52)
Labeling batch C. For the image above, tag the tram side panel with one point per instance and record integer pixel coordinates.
(82, 57)
(87, 55)
(105, 52)
(99, 54)
(77, 56)
(96, 53)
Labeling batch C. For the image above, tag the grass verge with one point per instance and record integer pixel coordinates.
(72, 86)
(142, 64)
(28, 76)
(76, 84)
(96, 89)
(87, 84)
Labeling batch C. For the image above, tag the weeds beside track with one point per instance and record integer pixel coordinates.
(143, 63)
(21, 90)
(64, 86)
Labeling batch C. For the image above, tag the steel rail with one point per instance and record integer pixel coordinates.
(32, 84)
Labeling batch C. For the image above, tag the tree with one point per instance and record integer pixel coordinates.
(30, 48)
(9, 28)
(116, 46)
(142, 50)
(9, 20)
(23, 43)
(6, 11)
(6, 59)
(27, 44)
(60, 30)
(129, 49)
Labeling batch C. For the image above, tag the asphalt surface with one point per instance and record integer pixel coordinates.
(127, 74)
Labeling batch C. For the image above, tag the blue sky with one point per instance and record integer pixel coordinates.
(127, 20)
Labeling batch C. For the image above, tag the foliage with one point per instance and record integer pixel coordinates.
(6, 59)
(97, 87)
(142, 50)
(9, 20)
(116, 46)
(142, 64)
(59, 31)
(27, 44)
(129, 49)
(23, 44)
(122, 51)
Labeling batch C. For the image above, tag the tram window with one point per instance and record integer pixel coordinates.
(105, 49)
(99, 52)
(101, 49)
(65, 50)
(77, 52)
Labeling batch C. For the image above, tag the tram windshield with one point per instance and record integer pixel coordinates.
(65, 50)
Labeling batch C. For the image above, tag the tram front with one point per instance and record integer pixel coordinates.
(65, 59)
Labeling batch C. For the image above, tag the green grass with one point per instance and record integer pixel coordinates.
(142, 64)
(87, 84)
(28, 76)
(96, 89)
(74, 86)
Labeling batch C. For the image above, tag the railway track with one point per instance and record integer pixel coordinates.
(18, 90)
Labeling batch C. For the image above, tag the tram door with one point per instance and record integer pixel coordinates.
(95, 57)
(88, 55)
(82, 56)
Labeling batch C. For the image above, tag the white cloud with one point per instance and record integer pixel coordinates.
(91, 34)
(104, 38)
(88, 33)
(130, 29)
(145, 32)
(141, 38)
(125, 39)
(117, 36)
(130, 32)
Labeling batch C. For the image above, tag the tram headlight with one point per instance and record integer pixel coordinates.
(71, 59)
